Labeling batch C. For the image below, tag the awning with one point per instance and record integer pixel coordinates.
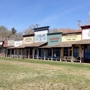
(21, 46)
(86, 41)
(10, 47)
(46, 46)
(36, 44)
(65, 44)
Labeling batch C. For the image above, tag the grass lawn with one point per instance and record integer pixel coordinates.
(26, 74)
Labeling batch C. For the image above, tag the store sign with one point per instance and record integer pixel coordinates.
(28, 40)
(10, 42)
(40, 37)
(71, 37)
(17, 43)
(54, 39)
(1, 43)
(86, 34)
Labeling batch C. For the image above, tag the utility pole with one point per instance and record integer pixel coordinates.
(79, 24)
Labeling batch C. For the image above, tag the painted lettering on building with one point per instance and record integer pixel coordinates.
(54, 39)
(10, 42)
(28, 40)
(71, 37)
(86, 34)
(17, 43)
(89, 33)
(40, 37)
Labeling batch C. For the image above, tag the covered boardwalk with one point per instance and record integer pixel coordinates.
(67, 51)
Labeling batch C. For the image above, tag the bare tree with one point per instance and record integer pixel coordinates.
(28, 31)
(54, 30)
(4, 32)
(19, 35)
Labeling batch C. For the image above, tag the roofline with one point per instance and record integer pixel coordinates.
(18, 39)
(28, 35)
(41, 28)
(85, 26)
(79, 32)
(54, 33)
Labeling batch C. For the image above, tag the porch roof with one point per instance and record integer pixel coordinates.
(65, 44)
(36, 44)
(46, 46)
(21, 46)
(10, 47)
(86, 41)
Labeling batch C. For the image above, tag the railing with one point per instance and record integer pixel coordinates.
(65, 58)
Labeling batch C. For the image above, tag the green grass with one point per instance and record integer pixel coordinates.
(26, 74)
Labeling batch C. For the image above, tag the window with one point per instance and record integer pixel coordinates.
(49, 52)
(65, 51)
(87, 53)
(76, 52)
(57, 51)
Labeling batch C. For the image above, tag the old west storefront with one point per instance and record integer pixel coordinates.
(71, 38)
(17, 51)
(2, 48)
(10, 47)
(68, 46)
(40, 40)
(85, 43)
(76, 44)
(27, 41)
(52, 40)
(31, 43)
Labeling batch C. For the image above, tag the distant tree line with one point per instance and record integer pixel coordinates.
(5, 33)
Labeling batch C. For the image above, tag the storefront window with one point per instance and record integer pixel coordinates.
(65, 51)
(49, 52)
(76, 52)
(57, 51)
(87, 53)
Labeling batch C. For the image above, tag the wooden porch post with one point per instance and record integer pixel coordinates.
(33, 52)
(80, 51)
(52, 54)
(21, 52)
(14, 52)
(6, 53)
(61, 53)
(44, 53)
(25, 53)
(37, 53)
(17, 53)
(72, 54)
(10, 53)
(28, 53)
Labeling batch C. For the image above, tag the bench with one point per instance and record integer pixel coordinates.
(69, 58)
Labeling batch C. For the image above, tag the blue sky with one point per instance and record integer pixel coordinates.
(54, 13)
